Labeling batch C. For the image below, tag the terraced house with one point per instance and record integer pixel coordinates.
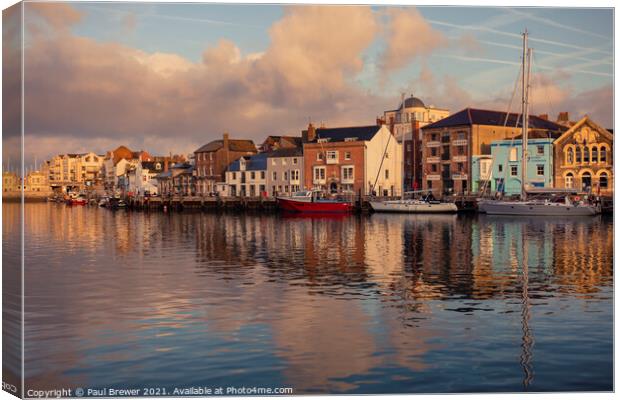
(212, 160)
(361, 159)
(285, 171)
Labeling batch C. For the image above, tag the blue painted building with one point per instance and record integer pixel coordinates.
(506, 164)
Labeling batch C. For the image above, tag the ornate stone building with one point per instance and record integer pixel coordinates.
(584, 158)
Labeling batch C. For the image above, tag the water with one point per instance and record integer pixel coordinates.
(372, 304)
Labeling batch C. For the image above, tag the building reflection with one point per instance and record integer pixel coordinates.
(336, 299)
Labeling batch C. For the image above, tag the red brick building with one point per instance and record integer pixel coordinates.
(212, 160)
(352, 160)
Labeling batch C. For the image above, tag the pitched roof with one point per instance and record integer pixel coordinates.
(233, 145)
(340, 134)
(286, 152)
(151, 165)
(475, 116)
(256, 162)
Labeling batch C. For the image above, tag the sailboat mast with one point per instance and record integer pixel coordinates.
(524, 123)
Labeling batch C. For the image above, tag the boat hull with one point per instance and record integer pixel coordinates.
(413, 207)
(321, 207)
(529, 209)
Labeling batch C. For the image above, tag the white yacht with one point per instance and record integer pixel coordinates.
(424, 205)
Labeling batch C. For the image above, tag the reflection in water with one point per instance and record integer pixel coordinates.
(375, 304)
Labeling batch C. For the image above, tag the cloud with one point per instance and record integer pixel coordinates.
(129, 23)
(408, 36)
(84, 90)
(57, 16)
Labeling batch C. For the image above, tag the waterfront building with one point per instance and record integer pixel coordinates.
(212, 159)
(247, 176)
(285, 171)
(450, 145)
(67, 172)
(584, 158)
(10, 181)
(405, 123)
(279, 142)
(183, 179)
(37, 181)
(505, 174)
(361, 159)
(141, 177)
(111, 169)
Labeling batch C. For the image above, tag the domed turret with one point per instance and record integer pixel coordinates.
(413, 102)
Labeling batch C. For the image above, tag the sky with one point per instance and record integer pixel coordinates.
(169, 78)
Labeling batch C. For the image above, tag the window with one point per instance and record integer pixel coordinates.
(570, 156)
(500, 167)
(332, 156)
(295, 161)
(210, 156)
(434, 151)
(513, 154)
(568, 181)
(540, 169)
(252, 175)
(602, 180)
(347, 155)
(234, 175)
(513, 170)
(295, 175)
(387, 174)
(603, 155)
(350, 139)
(322, 140)
(594, 154)
(540, 150)
(319, 156)
(319, 174)
(262, 174)
(434, 137)
(433, 167)
(586, 155)
(274, 176)
(347, 173)
(286, 175)
(460, 150)
(578, 154)
(460, 135)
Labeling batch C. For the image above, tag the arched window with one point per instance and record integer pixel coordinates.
(578, 154)
(586, 154)
(594, 154)
(602, 180)
(568, 180)
(603, 155)
(586, 181)
(570, 156)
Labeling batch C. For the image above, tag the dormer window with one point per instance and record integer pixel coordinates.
(350, 139)
(322, 140)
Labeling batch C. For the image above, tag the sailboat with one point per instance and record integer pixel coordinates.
(525, 207)
(425, 204)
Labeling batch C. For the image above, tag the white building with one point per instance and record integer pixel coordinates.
(247, 176)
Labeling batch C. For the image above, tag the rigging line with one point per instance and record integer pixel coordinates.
(514, 91)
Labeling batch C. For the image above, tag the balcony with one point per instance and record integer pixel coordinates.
(459, 177)
(459, 158)
(434, 159)
(459, 142)
(434, 177)
(433, 144)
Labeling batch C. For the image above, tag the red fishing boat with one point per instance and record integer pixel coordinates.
(312, 202)
(76, 200)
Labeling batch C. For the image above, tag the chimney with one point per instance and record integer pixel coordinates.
(166, 164)
(563, 116)
(225, 140)
(544, 116)
(311, 132)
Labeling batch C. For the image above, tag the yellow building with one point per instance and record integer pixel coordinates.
(400, 121)
(10, 182)
(583, 158)
(36, 181)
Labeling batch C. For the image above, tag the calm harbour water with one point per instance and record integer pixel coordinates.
(371, 304)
